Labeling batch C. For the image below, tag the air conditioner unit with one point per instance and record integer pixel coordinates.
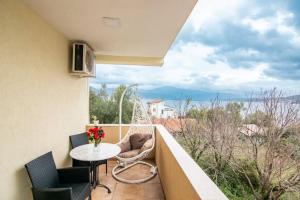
(83, 62)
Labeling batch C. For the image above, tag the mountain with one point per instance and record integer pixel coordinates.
(173, 93)
(294, 98)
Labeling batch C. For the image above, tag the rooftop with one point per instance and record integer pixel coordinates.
(155, 101)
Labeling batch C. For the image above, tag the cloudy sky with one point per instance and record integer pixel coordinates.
(233, 45)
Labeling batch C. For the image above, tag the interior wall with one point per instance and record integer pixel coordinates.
(40, 103)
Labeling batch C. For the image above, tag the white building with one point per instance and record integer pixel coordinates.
(158, 109)
(251, 130)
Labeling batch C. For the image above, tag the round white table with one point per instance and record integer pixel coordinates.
(88, 152)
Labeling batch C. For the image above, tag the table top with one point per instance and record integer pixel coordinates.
(87, 152)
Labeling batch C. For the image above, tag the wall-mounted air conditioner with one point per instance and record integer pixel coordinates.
(83, 60)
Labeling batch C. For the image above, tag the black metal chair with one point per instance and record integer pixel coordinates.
(49, 183)
(78, 140)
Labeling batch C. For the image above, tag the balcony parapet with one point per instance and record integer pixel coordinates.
(181, 176)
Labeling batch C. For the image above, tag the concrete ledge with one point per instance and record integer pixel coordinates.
(129, 60)
(203, 186)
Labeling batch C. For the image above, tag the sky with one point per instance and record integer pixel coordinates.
(226, 46)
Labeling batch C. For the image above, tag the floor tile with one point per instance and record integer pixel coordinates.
(151, 190)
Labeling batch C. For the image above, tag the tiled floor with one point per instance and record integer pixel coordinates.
(150, 190)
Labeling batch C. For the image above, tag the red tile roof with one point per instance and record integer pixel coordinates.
(155, 101)
(172, 125)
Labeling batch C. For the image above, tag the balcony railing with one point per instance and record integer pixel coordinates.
(180, 176)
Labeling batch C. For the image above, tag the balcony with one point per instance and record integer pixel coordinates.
(42, 104)
(150, 190)
(179, 177)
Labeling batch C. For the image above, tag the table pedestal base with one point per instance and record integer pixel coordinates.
(95, 179)
(104, 186)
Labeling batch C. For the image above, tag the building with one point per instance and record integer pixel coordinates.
(42, 104)
(251, 130)
(158, 109)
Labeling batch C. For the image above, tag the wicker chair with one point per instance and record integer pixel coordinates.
(140, 125)
(78, 140)
(49, 183)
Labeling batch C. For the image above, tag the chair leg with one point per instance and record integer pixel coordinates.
(97, 174)
(106, 167)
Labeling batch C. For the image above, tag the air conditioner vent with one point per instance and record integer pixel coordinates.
(83, 62)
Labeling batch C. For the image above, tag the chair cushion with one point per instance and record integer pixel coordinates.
(137, 140)
(79, 190)
(147, 145)
(129, 154)
(125, 146)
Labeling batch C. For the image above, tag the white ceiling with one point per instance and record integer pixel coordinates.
(147, 27)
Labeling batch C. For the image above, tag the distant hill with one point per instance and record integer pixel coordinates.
(173, 93)
(294, 98)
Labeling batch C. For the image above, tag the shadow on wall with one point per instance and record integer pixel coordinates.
(67, 161)
(23, 181)
(23, 184)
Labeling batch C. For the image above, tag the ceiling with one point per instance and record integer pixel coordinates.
(141, 30)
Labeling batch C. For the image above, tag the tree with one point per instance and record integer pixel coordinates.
(264, 165)
(192, 130)
(211, 132)
(234, 110)
(222, 126)
(127, 106)
(103, 92)
(197, 113)
(257, 118)
(271, 167)
(106, 108)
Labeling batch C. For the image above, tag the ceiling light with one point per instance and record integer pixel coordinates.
(112, 22)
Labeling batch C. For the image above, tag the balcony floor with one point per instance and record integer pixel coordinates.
(150, 190)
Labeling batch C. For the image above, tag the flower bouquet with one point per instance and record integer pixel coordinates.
(95, 135)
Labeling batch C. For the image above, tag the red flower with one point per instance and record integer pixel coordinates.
(91, 130)
(88, 134)
(96, 135)
(96, 130)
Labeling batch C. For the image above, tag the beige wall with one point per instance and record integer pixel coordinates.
(180, 175)
(175, 184)
(40, 103)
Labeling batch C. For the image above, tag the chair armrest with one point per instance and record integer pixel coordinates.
(74, 175)
(52, 193)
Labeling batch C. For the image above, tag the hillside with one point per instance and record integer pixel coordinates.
(173, 93)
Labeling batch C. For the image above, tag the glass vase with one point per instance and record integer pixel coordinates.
(96, 147)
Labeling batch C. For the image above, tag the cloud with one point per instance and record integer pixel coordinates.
(249, 37)
(226, 45)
